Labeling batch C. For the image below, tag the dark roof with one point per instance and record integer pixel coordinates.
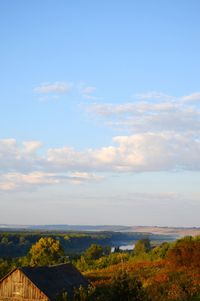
(53, 280)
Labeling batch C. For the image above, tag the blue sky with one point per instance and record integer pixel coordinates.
(100, 114)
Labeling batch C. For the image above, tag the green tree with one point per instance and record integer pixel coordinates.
(142, 246)
(94, 252)
(46, 251)
(5, 240)
(160, 251)
(5, 267)
(81, 264)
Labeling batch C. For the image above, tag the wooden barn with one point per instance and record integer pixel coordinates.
(41, 283)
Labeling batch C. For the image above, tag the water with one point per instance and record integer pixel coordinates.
(124, 248)
(127, 247)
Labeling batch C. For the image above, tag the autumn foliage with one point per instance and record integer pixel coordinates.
(174, 276)
(166, 272)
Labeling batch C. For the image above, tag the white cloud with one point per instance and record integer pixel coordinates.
(14, 157)
(162, 136)
(192, 97)
(143, 114)
(136, 108)
(134, 153)
(87, 92)
(142, 152)
(153, 95)
(6, 186)
(52, 91)
(31, 146)
(18, 180)
(56, 87)
(80, 177)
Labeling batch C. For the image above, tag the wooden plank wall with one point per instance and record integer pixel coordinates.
(18, 287)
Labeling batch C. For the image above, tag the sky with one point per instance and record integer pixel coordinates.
(100, 112)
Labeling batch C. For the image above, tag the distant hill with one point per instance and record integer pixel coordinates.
(171, 231)
(65, 227)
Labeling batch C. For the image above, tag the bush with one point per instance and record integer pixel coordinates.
(125, 287)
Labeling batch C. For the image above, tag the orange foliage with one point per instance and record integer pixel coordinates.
(162, 280)
(186, 252)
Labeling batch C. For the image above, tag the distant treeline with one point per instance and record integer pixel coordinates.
(17, 244)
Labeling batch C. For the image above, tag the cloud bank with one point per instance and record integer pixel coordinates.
(163, 134)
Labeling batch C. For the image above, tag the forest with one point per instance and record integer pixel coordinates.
(17, 243)
(152, 271)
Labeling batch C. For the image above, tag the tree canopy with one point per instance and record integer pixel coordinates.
(94, 252)
(46, 251)
(142, 246)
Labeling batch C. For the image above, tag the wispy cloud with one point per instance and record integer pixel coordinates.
(54, 90)
(87, 92)
(158, 96)
(153, 95)
(22, 181)
(154, 112)
(55, 87)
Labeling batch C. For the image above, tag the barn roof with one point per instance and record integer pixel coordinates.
(52, 280)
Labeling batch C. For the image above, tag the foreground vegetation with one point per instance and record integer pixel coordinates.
(168, 272)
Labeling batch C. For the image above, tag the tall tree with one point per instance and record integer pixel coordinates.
(46, 251)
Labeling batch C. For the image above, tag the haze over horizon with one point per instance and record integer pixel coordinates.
(100, 112)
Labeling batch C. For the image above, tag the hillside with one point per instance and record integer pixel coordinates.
(169, 231)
